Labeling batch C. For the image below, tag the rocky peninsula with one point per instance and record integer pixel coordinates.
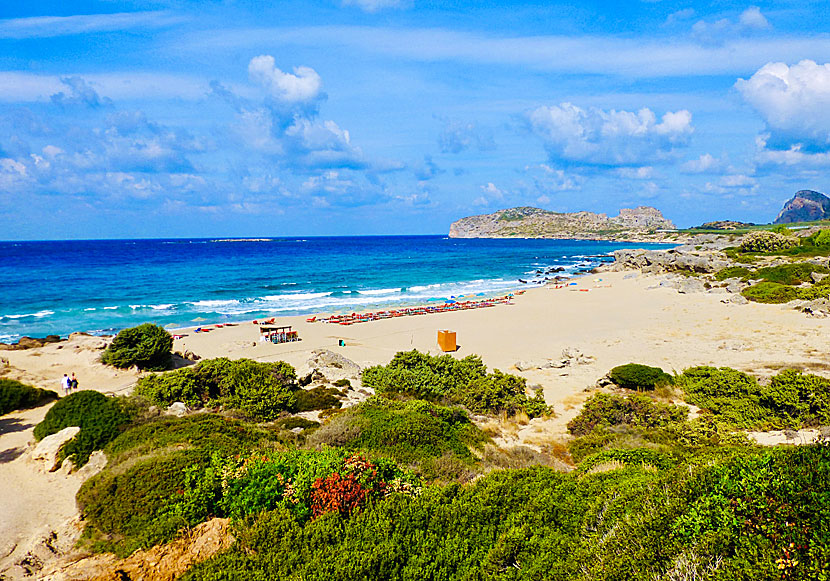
(643, 223)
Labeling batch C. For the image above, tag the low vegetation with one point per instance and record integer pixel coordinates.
(639, 377)
(146, 346)
(19, 396)
(791, 400)
(100, 418)
(261, 390)
(453, 381)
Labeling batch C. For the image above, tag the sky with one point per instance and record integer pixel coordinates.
(179, 118)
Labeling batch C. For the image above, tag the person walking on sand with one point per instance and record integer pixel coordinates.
(73, 383)
(65, 384)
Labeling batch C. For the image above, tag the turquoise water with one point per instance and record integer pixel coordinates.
(102, 286)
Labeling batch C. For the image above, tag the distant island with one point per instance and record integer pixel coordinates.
(528, 222)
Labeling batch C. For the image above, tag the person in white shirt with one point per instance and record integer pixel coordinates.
(65, 384)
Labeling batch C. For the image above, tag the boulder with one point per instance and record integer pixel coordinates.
(690, 285)
(735, 300)
(325, 365)
(49, 447)
(177, 409)
(818, 276)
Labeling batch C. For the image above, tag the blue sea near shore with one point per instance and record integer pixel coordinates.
(101, 286)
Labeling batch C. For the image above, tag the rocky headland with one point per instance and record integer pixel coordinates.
(805, 206)
(643, 223)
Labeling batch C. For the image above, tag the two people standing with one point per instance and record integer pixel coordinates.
(69, 384)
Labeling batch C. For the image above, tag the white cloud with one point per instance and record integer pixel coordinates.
(706, 163)
(751, 18)
(50, 26)
(794, 101)
(595, 136)
(376, 5)
(547, 179)
(733, 183)
(301, 87)
(679, 16)
(634, 57)
(636, 173)
(492, 191)
(457, 136)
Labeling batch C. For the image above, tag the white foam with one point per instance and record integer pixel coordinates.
(216, 303)
(37, 315)
(379, 291)
(294, 297)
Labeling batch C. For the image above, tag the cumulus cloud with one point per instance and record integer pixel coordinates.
(794, 102)
(302, 87)
(750, 20)
(547, 179)
(457, 136)
(733, 184)
(78, 93)
(595, 136)
(706, 163)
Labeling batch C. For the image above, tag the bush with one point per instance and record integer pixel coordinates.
(499, 392)
(453, 381)
(733, 272)
(147, 346)
(791, 274)
(606, 410)
(409, 431)
(763, 241)
(142, 497)
(639, 377)
(262, 390)
(100, 418)
(798, 399)
(343, 383)
(822, 238)
(19, 396)
(317, 398)
(420, 375)
(770, 292)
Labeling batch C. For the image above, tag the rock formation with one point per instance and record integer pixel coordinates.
(528, 222)
(805, 206)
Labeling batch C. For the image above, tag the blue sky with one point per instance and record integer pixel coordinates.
(174, 118)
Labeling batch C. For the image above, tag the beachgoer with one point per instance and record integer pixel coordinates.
(65, 384)
(73, 383)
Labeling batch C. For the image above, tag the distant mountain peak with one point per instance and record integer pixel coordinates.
(805, 206)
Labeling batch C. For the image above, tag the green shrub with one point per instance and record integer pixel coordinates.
(791, 274)
(19, 396)
(453, 381)
(165, 388)
(638, 457)
(410, 431)
(100, 418)
(606, 410)
(420, 375)
(822, 238)
(763, 241)
(732, 396)
(146, 346)
(798, 399)
(297, 422)
(639, 377)
(262, 390)
(733, 272)
(770, 292)
(498, 392)
(142, 497)
(317, 398)
(343, 383)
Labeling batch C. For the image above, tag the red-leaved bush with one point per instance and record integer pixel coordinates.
(343, 494)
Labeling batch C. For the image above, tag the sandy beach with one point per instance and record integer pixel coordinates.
(623, 317)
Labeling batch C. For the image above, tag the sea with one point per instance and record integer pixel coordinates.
(102, 286)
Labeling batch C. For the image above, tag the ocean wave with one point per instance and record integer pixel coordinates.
(37, 315)
(294, 297)
(379, 291)
(214, 303)
(111, 308)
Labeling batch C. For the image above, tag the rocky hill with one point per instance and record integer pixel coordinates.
(805, 206)
(528, 222)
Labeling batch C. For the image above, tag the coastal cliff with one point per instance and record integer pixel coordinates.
(805, 206)
(529, 222)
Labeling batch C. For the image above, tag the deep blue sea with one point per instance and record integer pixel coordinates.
(102, 286)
